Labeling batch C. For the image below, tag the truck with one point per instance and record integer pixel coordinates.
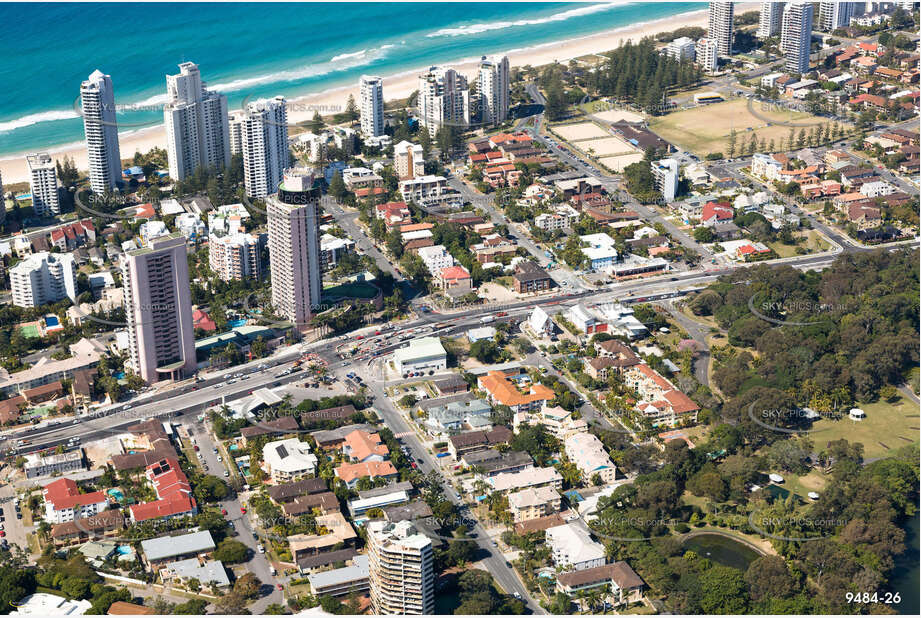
(486, 319)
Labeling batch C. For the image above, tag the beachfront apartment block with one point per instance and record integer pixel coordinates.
(97, 101)
(196, 122)
(408, 160)
(720, 26)
(665, 176)
(681, 48)
(558, 422)
(401, 569)
(158, 310)
(706, 55)
(769, 19)
(294, 247)
(493, 88)
(435, 258)
(43, 181)
(371, 106)
(524, 479)
(64, 502)
(796, 36)
(573, 549)
(659, 400)
(235, 256)
(264, 136)
(43, 278)
(427, 190)
(532, 503)
(834, 15)
(444, 99)
(588, 453)
(502, 390)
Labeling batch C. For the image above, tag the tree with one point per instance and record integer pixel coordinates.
(769, 577)
(337, 188)
(731, 143)
(247, 586)
(351, 110)
(231, 551)
(703, 234)
(723, 591)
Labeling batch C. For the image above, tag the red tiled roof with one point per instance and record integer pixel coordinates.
(162, 508)
(63, 494)
(454, 272)
(722, 211)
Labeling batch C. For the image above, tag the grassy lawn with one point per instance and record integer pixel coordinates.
(888, 427)
(813, 243)
(802, 485)
(703, 130)
(351, 290)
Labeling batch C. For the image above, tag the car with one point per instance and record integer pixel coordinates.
(215, 450)
(195, 447)
(279, 586)
(230, 523)
(2, 533)
(517, 595)
(219, 458)
(226, 473)
(508, 564)
(261, 549)
(494, 544)
(243, 510)
(414, 465)
(223, 511)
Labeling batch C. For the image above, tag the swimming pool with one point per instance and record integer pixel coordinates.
(236, 323)
(125, 550)
(52, 320)
(116, 494)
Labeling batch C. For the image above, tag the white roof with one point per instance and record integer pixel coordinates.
(341, 576)
(422, 347)
(290, 455)
(170, 206)
(532, 497)
(576, 542)
(524, 478)
(41, 604)
(599, 240)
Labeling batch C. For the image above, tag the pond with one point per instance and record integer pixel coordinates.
(722, 550)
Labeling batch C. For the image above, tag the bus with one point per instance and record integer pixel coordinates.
(702, 98)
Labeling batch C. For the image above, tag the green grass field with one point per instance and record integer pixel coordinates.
(887, 428)
(814, 243)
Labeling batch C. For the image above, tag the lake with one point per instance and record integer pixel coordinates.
(722, 550)
(904, 577)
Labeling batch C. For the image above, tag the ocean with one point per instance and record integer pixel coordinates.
(254, 50)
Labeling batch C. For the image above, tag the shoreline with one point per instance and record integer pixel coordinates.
(13, 167)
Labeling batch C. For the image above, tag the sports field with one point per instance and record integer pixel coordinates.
(607, 146)
(706, 129)
(579, 131)
(616, 115)
(618, 163)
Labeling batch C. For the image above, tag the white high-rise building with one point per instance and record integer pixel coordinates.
(494, 91)
(235, 256)
(158, 310)
(264, 144)
(43, 278)
(197, 125)
(443, 99)
(44, 182)
(294, 247)
(796, 38)
(720, 26)
(235, 125)
(401, 569)
(705, 55)
(681, 48)
(665, 175)
(408, 160)
(97, 100)
(372, 105)
(770, 19)
(833, 15)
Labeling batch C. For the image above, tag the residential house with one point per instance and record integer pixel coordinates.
(501, 390)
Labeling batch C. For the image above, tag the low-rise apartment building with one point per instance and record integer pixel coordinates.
(532, 503)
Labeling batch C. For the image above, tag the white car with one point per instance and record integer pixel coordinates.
(261, 549)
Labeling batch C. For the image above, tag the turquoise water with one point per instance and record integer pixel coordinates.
(232, 447)
(116, 494)
(124, 550)
(236, 323)
(248, 51)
